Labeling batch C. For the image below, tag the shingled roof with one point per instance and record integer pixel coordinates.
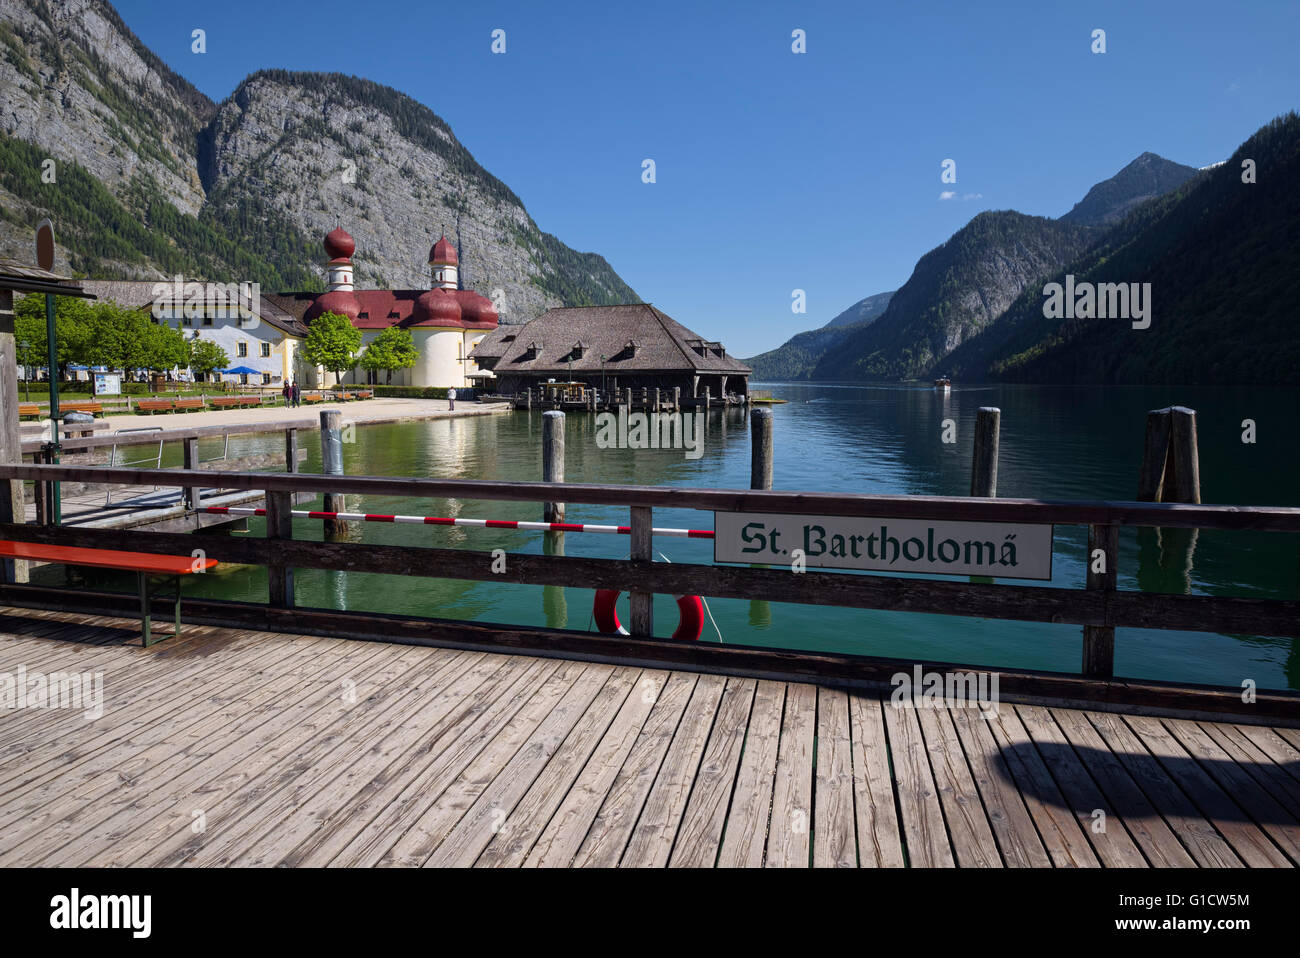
(632, 338)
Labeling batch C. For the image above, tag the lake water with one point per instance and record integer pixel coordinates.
(1056, 443)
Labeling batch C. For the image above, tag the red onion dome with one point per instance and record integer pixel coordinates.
(339, 244)
(443, 254)
(437, 306)
(478, 309)
(337, 301)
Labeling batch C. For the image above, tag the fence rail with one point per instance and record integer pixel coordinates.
(1097, 606)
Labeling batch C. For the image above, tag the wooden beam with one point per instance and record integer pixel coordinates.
(959, 508)
(1194, 613)
(642, 551)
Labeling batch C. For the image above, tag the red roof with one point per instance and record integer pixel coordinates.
(380, 308)
(443, 254)
(339, 244)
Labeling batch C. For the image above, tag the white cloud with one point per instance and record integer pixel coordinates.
(973, 196)
(947, 195)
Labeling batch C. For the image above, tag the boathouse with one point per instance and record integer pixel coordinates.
(610, 348)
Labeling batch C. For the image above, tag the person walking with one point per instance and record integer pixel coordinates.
(288, 393)
(451, 399)
(297, 393)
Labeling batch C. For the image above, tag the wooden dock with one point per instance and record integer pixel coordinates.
(231, 747)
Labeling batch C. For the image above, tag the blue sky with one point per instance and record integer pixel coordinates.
(778, 171)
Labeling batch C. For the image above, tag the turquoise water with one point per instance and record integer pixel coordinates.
(1056, 443)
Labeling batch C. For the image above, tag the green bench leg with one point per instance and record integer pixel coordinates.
(146, 621)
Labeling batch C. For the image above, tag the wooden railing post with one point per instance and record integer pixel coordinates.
(279, 525)
(1099, 640)
(642, 603)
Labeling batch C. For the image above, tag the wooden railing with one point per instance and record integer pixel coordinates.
(1099, 607)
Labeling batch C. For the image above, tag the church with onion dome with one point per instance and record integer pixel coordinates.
(446, 322)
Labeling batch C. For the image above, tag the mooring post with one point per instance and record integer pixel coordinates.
(984, 457)
(279, 526)
(1184, 458)
(677, 398)
(1171, 470)
(642, 603)
(190, 449)
(553, 460)
(1103, 576)
(760, 443)
(706, 398)
(331, 448)
(291, 450)
(1155, 452)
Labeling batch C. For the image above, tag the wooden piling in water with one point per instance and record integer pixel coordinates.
(331, 448)
(677, 398)
(190, 451)
(984, 457)
(761, 449)
(291, 450)
(553, 460)
(1171, 470)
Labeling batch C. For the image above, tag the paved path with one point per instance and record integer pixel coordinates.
(361, 411)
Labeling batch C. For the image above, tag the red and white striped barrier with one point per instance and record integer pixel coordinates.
(477, 523)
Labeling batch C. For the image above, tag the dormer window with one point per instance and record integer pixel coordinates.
(631, 347)
(578, 349)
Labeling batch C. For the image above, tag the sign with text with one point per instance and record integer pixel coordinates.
(1004, 550)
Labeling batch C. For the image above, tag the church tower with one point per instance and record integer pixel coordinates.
(444, 265)
(339, 246)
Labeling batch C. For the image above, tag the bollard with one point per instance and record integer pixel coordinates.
(553, 460)
(984, 457)
(1171, 470)
(331, 448)
(760, 443)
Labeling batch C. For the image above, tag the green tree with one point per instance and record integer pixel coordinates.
(332, 342)
(392, 349)
(206, 357)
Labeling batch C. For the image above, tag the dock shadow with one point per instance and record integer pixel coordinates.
(1227, 805)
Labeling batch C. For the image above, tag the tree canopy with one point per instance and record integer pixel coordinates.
(332, 342)
(391, 349)
(97, 334)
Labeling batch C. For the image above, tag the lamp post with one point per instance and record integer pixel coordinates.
(602, 377)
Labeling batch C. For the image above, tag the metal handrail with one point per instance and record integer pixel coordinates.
(112, 457)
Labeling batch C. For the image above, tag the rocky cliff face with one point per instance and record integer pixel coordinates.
(153, 178)
(954, 292)
(337, 150)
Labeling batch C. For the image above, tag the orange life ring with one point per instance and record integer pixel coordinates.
(690, 607)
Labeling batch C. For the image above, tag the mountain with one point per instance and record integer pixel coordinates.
(1223, 260)
(799, 355)
(954, 291)
(1144, 179)
(152, 178)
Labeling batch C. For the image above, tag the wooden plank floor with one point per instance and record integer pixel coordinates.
(239, 748)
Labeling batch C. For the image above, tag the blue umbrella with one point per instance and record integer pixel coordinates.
(241, 371)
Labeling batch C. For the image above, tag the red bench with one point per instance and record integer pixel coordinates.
(145, 565)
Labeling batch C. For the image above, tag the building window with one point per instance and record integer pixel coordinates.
(266, 379)
(266, 350)
(207, 320)
(241, 350)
